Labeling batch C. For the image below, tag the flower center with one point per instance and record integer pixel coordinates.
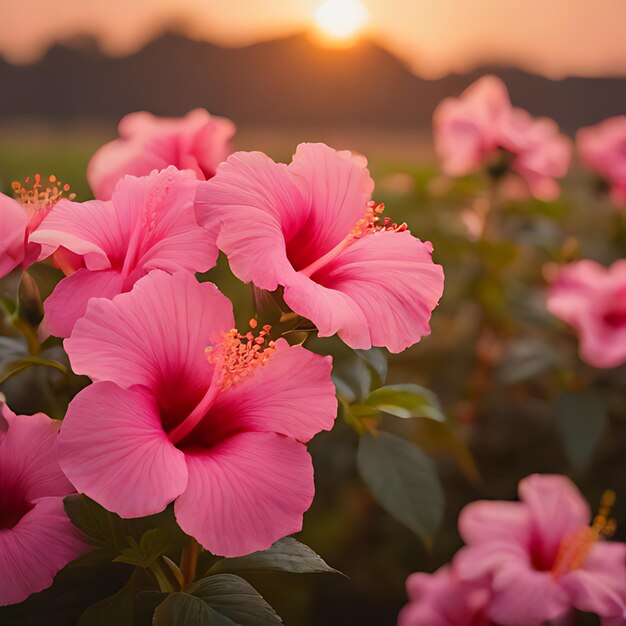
(371, 222)
(615, 316)
(13, 506)
(37, 199)
(234, 357)
(576, 545)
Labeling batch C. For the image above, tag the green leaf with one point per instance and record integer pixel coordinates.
(154, 543)
(134, 541)
(286, 555)
(406, 401)
(376, 358)
(234, 598)
(403, 481)
(118, 609)
(352, 378)
(15, 367)
(582, 420)
(526, 359)
(182, 609)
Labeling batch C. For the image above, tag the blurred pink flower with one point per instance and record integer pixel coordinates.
(540, 557)
(36, 537)
(603, 148)
(481, 127)
(21, 216)
(198, 142)
(107, 246)
(466, 129)
(312, 228)
(592, 299)
(441, 599)
(185, 409)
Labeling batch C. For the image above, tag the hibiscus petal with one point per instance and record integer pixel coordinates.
(331, 311)
(392, 279)
(29, 455)
(484, 521)
(254, 205)
(524, 597)
(13, 224)
(600, 585)
(479, 562)
(114, 449)
(556, 508)
(89, 229)
(153, 334)
(337, 187)
(291, 394)
(158, 214)
(68, 302)
(246, 493)
(33, 551)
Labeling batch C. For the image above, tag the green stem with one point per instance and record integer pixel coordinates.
(189, 560)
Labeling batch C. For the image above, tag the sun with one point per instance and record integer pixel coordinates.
(340, 22)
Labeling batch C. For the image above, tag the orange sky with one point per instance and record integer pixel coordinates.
(555, 37)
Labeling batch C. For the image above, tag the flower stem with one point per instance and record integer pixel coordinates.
(189, 560)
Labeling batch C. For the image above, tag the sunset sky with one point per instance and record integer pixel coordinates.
(554, 37)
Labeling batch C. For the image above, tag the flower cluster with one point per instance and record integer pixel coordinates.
(183, 408)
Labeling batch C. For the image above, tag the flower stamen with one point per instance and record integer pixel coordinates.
(237, 355)
(576, 545)
(374, 222)
(35, 197)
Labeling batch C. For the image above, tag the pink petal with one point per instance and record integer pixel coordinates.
(292, 394)
(90, 229)
(479, 562)
(255, 206)
(114, 449)
(331, 310)
(336, 186)
(391, 278)
(246, 493)
(154, 335)
(33, 551)
(68, 302)
(13, 224)
(29, 455)
(524, 597)
(556, 508)
(157, 213)
(484, 521)
(600, 585)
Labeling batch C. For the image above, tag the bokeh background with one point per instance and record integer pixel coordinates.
(368, 81)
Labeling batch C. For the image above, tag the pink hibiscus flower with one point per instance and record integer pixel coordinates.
(311, 228)
(186, 409)
(540, 557)
(592, 299)
(482, 128)
(603, 148)
(441, 599)
(198, 142)
(22, 216)
(36, 537)
(107, 246)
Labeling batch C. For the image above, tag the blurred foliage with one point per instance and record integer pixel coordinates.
(511, 395)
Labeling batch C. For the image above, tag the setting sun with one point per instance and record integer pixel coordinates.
(340, 22)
